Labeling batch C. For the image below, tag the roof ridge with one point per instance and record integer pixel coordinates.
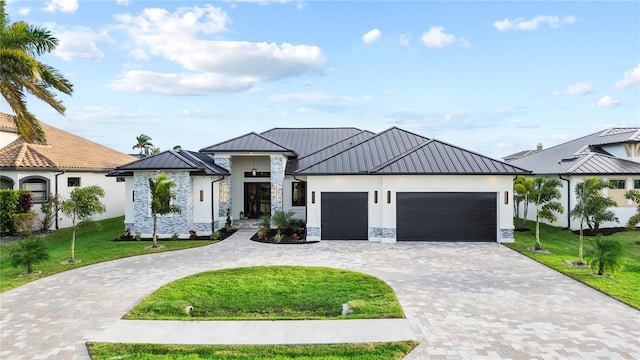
(582, 160)
(247, 134)
(360, 143)
(313, 127)
(483, 156)
(404, 154)
(180, 156)
(333, 144)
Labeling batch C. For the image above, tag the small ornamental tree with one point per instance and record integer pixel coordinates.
(591, 208)
(634, 195)
(544, 194)
(27, 253)
(522, 187)
(83, 203)
(161, 189)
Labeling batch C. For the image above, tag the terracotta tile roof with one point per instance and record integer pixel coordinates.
(6, 123)
(62, 150)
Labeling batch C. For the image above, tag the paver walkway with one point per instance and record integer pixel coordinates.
(462, 301)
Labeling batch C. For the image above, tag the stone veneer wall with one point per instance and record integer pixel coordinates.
(277, 178)
(167, 225)
(223, 201)
(506, 236)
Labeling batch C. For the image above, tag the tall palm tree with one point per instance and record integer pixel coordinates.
(21, 73)
(143, 142)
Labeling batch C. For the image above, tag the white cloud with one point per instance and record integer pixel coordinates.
(532, 24)
(578, 89)
(61, 5)
(232, 65)
(79, 43)
(435, 37)
(631, 78)
(24, 11)
(371, 36)
(122, 2)
(607, 101)
(178, 84)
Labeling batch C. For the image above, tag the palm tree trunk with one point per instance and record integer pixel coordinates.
(73, 241)
(155, 239)
(538, 247)
(580, 261)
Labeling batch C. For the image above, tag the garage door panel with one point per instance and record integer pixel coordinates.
(344, 216)
(446, 216)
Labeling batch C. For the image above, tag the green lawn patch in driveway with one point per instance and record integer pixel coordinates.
(366, 351)
(94, 244)
(270, 293)
(562, 246)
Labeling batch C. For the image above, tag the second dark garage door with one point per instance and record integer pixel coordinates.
(446, 216)
(344, 216)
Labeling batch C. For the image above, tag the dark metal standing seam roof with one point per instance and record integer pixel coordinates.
(250, 142)
(436, 157)
(174, 160)
(367, 154)
(305, 141)
(333, 149)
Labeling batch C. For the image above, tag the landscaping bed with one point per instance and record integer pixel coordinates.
(289, 236)
(223, 235)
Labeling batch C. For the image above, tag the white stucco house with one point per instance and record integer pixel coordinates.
(612, 154)
(64, 162)
(347, 183)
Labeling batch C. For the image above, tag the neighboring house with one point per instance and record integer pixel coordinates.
(612, 154)
(345, 182)
(56, 167)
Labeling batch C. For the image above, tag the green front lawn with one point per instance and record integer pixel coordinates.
(365, 351)
(93, 245)
(563, 246)
(269, 293)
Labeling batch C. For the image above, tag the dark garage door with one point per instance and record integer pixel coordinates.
(446, 216)
(344, 216)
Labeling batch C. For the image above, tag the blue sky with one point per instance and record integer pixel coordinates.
(492, 77)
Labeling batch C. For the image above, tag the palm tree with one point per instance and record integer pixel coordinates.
(605, 254)
(591, 208)
(21, 73)
(543, 195)
(143, 142)
(522, 187)
(161, 196)
(27, 253)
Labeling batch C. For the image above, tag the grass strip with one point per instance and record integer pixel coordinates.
(362, 351)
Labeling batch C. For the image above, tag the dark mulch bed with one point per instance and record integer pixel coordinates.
(287, 238)
(603, 232)
(223, 235)
(11, 238)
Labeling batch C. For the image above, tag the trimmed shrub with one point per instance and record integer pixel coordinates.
(8, 207)
(24, 224)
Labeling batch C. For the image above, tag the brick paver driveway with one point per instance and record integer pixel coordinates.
(470, 301)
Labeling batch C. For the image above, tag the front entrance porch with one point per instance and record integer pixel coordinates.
(257, 200)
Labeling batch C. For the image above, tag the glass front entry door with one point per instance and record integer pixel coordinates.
(257, 200)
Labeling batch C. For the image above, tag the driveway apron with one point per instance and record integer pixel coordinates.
(462, 300)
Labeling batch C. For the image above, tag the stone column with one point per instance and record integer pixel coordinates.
(224, 191)
(278, 163)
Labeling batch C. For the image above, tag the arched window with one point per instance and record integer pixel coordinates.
(38, 186)
(6, 183)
